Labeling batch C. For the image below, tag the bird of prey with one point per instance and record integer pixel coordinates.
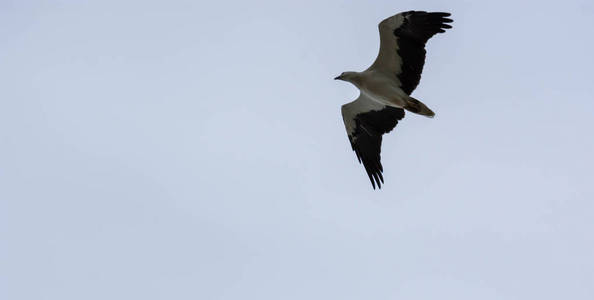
(385, 87)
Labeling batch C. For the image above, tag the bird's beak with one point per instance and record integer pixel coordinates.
(337, 77)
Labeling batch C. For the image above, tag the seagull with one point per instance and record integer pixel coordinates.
(385, 87)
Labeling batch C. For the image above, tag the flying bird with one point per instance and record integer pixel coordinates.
(385, 87)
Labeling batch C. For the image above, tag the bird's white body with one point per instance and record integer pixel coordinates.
(382, 88)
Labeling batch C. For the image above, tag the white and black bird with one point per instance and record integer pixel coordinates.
(385, 87)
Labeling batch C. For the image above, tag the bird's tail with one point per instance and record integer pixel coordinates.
(417, 107)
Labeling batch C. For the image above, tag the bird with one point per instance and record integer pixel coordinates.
(385, 87)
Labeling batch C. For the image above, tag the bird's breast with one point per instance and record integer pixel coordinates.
(383, 90)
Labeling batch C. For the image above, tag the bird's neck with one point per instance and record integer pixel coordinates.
(356, 79)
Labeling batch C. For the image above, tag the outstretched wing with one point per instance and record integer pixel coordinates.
(402, 44)
(366, 121)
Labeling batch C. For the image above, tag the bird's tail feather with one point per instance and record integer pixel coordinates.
(417, 107)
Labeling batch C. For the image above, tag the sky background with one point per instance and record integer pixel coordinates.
(195, 150)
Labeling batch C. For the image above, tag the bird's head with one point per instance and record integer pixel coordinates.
(348, 76)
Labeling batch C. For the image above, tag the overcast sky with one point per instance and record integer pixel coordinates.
(195, 150)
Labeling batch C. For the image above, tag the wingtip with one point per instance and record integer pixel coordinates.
(442, 14)
(379, 185)
(376, 179)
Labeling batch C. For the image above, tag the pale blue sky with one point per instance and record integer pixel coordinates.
(195, 150)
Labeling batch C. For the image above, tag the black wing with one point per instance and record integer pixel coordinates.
(366, 138)
(402, 44)
(417, 28)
